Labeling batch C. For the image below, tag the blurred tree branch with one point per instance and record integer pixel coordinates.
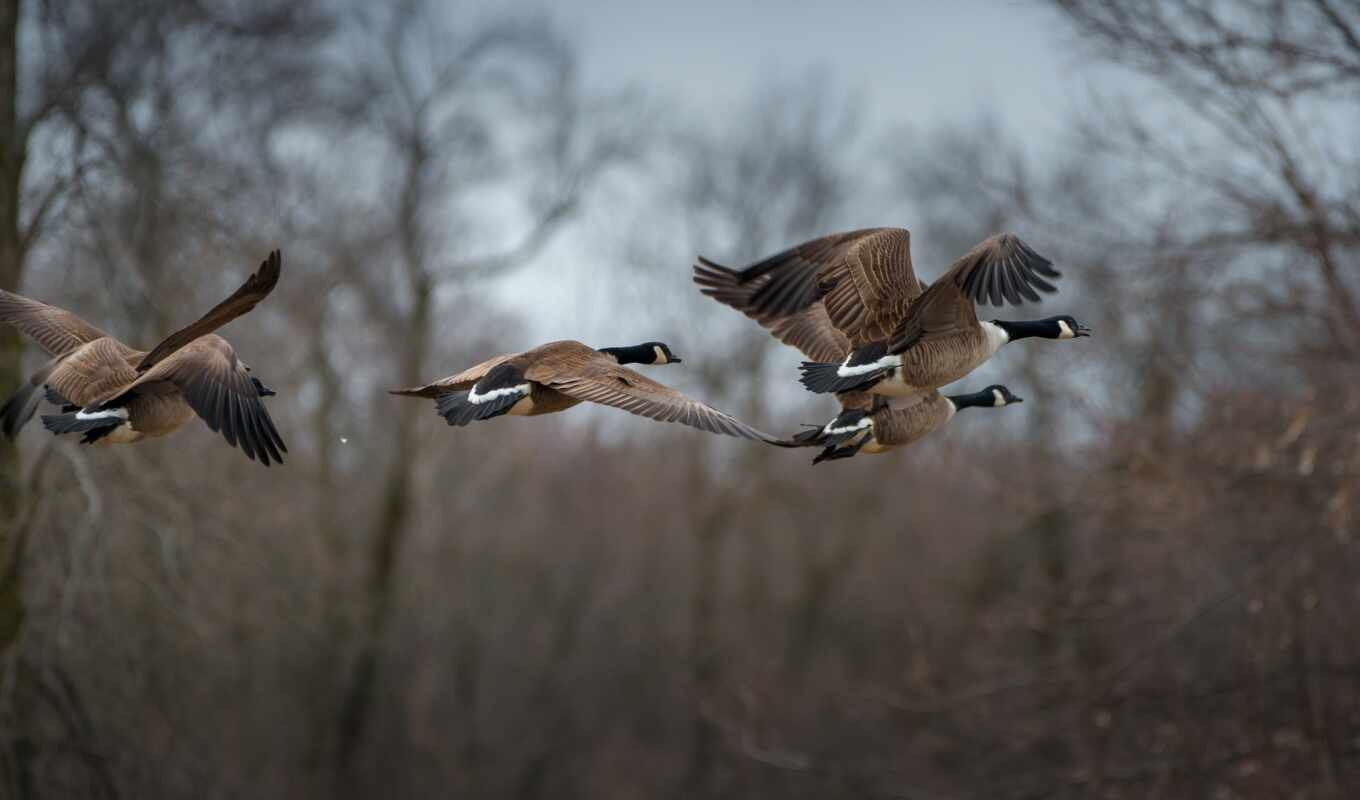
(494, 110)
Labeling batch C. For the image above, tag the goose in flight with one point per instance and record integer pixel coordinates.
(113, 393)
(853, 304)
(872, 427)
(556, 376)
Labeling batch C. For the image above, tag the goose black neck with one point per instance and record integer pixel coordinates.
(972, 400)
(1025, 329)
(637, 354)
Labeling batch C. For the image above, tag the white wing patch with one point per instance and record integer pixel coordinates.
(108, 413)
(478, 399)
(886, 362)
(864, 422)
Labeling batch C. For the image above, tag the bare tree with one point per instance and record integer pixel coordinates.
(491, 111)
(1266, 162)
(773, 173)
(77, 89)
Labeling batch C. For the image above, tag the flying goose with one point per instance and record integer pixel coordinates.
(876, 428)
(854, 297)
(558, 375)
(940, 339)
(112, 393)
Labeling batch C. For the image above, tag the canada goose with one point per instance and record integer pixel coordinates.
(875, 428)
(852, 297)
(558, 375)
(940, 339)
(112, 393)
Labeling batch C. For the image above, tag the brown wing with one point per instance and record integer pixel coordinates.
(456, 382)
(255, 289)
(56, 330)
(809, 330)
(220, 390)
(602, 381)
(941, 311)
(999, 269)
(864, 279)
(94, 371)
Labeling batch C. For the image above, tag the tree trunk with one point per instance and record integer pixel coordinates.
(15, 773)
(393, 515)
(11, 348)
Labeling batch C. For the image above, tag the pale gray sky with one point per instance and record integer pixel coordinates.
(928, 60)
(921, 63)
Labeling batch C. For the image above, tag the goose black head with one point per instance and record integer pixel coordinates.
(645, 353)
(994, 396)
(1063, 326)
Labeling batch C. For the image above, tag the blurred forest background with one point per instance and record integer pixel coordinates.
(1141, 583)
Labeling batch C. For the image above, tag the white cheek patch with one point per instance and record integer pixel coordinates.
(1066, 330)
(998, 399)
(846, 371)
(660, 356)
(478, 399)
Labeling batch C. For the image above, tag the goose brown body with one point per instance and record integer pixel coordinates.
(900, 425)
(854, 297)
(143, 394)
(871, 425)
(933, 363)
(559, 375)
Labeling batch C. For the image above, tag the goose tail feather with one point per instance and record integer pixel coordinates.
(825, 378)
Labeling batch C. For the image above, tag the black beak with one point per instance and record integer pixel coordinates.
(674, 359)
(1017, 399)
(1082, 330)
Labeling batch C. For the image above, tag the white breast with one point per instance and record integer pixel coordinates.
(996, 336)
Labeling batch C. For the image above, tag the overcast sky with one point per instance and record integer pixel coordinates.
(924, 63)
(940, 60)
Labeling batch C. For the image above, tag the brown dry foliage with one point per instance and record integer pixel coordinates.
(1139, 584)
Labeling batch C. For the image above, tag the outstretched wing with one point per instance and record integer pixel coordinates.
(256, 288)
(1001, 269)
(56, 330)
(609, 384)
(220, 390)
(863, 278)
(809, 330)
